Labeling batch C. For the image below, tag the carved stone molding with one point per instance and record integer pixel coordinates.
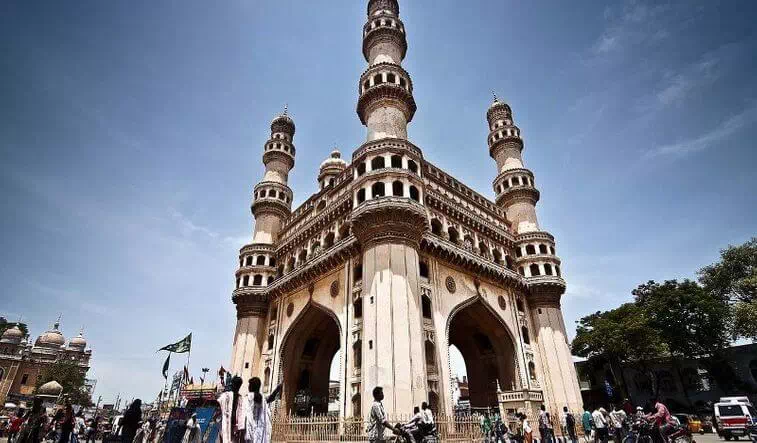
(389, 220)
(386, 94)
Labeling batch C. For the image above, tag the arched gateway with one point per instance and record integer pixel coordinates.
(488, 349)
(306, 355)
(393, 260)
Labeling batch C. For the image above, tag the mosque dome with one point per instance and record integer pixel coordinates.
(12, 335)
(334, 161)
(78, 342)
(498, 107)
(51, 339)
(283, 123)
(49, 389)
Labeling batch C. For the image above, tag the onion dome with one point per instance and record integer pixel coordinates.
(283, 123)
(49, 389)
(78, 342)
(331, 168)
(12, 335)
(52, 338)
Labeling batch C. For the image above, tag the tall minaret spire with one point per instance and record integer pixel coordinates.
(386, 103)
(271, 205)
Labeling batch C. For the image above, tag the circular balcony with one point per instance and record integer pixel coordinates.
(389, 220)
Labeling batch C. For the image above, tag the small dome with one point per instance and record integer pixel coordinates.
(283, 123)
(49, 389)
(51, 339)
(78, 342)
(335, 160)
(12, 335)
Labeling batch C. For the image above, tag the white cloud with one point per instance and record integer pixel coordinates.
(709, 139)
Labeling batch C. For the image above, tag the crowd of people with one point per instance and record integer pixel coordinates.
(35, 425)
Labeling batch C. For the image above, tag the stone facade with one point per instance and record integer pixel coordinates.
(22, 362)
(393, 260)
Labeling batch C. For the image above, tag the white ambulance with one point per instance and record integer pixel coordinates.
(733, 416)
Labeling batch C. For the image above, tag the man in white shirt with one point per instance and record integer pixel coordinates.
(600, 425)
(428, 416)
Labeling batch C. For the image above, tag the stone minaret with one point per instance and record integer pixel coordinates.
(389, 218)
(536, 260)
(271, 204)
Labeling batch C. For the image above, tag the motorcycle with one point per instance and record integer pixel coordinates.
(403, 434)
(681, 434)
(642, 431)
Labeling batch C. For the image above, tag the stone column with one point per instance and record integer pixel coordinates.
(389, 229)
(559, 379)
(248, 338)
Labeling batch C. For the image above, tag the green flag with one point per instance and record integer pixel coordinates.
(165, 366)
(180, 346)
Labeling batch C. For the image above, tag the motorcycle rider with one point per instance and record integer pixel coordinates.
(662, 419)
(413, 427)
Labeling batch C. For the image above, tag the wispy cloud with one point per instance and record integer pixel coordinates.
(677, 87)
(709, 139)
(629, 25)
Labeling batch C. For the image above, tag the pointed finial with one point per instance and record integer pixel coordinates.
(495, 96)
(81, 331)
(286, 108)
(57, 322)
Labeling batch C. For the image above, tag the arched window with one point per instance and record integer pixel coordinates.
(260, 260)
(396, 161)
(272, 262)
(484, 250)
(357, 272)
(426, 306)
(390, 78)
(378, 189)
(557, 270)
(436, 227)
(530, 250)
(532, 371)
(257, 280)
(378, 163)
(534, 268)
(521, 271)
(518, 252)
(356, 412)
(516, 181)
(248, 260)
(344, 231)
(246, 280)
(542, 249)
(358, 308)
(547, 269)
(270, 279)
(357, 353)
(403, 83)
(328, 241)
(360, 196)
(519, 304)
(430, 356)
(423, 269)
(397, 189)
(412, 166)
(414, 194)
(360, 169)
(524, 332)
(454, 236)
(509, 262)
(497, 256)
(266, 379)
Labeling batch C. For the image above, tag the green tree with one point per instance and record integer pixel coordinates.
(734, 279)
(5, 324)
(692, 322)
(71, 377)
(619, 337)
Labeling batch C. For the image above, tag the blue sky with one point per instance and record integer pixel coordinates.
(131, 136)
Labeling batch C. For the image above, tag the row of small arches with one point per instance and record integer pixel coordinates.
(531, 249)
(515, 181)
(273, 193)
(468, 242)
(501, 123)
(536, 270)
(279, 147)
(281, 136)
(381, 162)
(509, 132)
(387, 22)
(386, 77)
(260, 260)
(256, 280)
(380, 189)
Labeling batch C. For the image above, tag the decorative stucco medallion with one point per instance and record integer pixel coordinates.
(451, 285)
(502, 302)
(335, 288)
(290, 309)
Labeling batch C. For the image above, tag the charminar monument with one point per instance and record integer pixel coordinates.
(393, 261)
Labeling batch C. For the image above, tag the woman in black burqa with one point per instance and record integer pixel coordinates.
(130, 422)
